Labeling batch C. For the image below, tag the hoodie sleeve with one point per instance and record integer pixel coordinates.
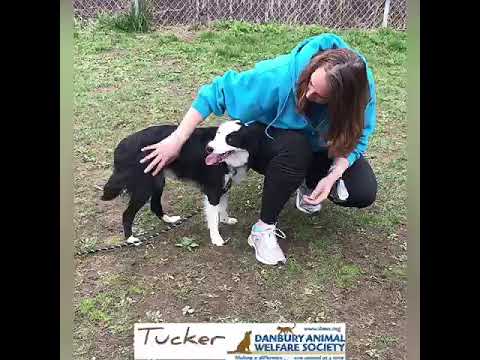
(245, 96)
(370, 123)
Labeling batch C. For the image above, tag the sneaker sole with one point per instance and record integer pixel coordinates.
(259, 258)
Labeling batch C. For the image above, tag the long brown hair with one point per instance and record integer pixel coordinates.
(349, 94)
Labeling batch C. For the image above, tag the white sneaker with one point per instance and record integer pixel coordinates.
(267, 250)
(301, 204)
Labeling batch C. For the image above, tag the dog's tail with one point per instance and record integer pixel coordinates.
(114, 186)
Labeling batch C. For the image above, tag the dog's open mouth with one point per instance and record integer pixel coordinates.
(215, 159)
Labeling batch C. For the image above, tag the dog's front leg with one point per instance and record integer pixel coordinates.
(224, 218)
(212, 213)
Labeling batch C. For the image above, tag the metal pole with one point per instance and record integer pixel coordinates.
(135, 5)
(386, 10)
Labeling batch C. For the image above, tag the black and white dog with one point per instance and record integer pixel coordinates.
(212, 158)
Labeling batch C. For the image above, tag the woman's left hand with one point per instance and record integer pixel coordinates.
(321, 191)
(325, 185)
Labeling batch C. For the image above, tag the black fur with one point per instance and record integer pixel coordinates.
(129, 174)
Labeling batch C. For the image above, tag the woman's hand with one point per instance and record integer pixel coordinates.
(321, 191)
(324, 186)
(164, 152)
(167, 150)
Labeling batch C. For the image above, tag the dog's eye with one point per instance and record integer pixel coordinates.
(228, 139)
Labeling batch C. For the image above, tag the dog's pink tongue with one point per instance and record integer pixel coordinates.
(212, 159)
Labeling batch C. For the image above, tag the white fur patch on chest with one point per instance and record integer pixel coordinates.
(238, 159)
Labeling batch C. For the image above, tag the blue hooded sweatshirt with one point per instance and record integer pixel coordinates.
(266, 94)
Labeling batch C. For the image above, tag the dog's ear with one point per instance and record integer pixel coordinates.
(247, 137)
(236, 138)
(252, 135)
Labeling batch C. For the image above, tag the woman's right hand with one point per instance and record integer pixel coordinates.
(167, 150)
(162, 154)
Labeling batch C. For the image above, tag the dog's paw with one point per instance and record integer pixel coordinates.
(229, 221)
(218, 241)
(133, 240)
(170, 219)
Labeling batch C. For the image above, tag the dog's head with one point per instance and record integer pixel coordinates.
(232, 144)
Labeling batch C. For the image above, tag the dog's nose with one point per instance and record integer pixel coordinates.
(209, 149)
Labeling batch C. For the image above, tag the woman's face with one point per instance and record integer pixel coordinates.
(318, 89)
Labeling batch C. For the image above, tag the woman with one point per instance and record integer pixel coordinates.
(318, 107)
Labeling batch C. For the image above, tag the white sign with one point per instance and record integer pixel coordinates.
(239, 341)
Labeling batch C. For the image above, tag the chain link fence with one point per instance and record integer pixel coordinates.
(335, 14)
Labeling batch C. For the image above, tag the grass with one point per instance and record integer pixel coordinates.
(108, 310)
(347, 275)
(135, 20)
(125, 81)
(187, 243)
(396, 272)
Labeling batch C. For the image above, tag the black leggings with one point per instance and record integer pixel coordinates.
(288, 159)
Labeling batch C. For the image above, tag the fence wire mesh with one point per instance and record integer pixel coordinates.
(335, 14)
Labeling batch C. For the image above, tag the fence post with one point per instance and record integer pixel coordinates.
(386, 10)
(135, 5)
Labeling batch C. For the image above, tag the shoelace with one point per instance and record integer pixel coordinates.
(275, 230)
(279, 233)
(271, 241)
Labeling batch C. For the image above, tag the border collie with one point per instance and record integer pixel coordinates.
(212, 158)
